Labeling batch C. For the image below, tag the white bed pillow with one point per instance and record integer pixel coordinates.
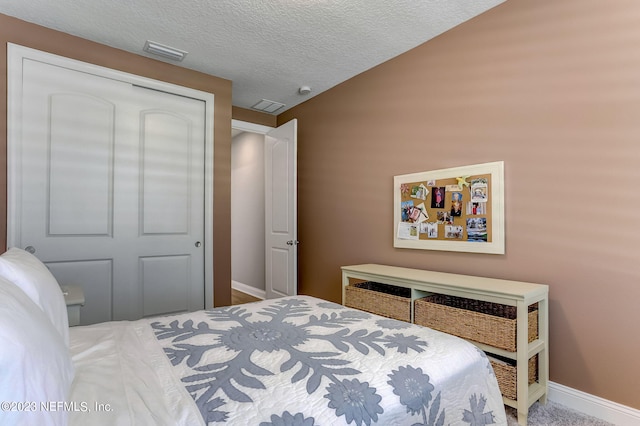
(34, 278)
(35, 364)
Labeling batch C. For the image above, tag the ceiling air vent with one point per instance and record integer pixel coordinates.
(266, 105)
(164, 51)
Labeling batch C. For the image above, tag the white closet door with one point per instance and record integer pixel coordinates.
(111, 192)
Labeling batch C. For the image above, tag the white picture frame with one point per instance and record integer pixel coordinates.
(494, 212)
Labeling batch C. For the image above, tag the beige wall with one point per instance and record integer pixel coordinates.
(256, 117)
(553, 89)
(20, 32)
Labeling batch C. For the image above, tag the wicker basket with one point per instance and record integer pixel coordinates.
(381, 299)
(484, 322)
(506, 374)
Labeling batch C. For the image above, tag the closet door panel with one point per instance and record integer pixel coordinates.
(165, 174)
(80, 165)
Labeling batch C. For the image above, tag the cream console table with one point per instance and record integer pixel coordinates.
(513, 293)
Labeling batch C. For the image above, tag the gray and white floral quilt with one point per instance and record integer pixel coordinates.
(304, 361)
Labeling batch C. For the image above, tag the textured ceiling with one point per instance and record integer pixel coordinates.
(268, 48)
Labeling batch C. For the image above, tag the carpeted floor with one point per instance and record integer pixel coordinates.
(553, 414)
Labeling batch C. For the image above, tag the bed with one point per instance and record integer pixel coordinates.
(290, 361)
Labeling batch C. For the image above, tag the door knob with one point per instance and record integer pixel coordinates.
(198, 244)
(30, 249)
(293, 242)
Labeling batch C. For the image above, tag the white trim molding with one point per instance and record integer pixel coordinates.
(245, 288)
(246, 126)
(591, 405)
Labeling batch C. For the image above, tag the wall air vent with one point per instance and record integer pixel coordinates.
(266, 105)
(164, 51)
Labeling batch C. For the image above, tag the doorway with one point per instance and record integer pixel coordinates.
(269, 157)
(247, 213)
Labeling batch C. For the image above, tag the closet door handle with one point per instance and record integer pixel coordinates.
(30, 249)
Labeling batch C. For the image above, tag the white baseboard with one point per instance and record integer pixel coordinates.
(255, 292)
(600, 408)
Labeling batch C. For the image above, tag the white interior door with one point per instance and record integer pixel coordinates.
(109, 190)
(281, 233)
